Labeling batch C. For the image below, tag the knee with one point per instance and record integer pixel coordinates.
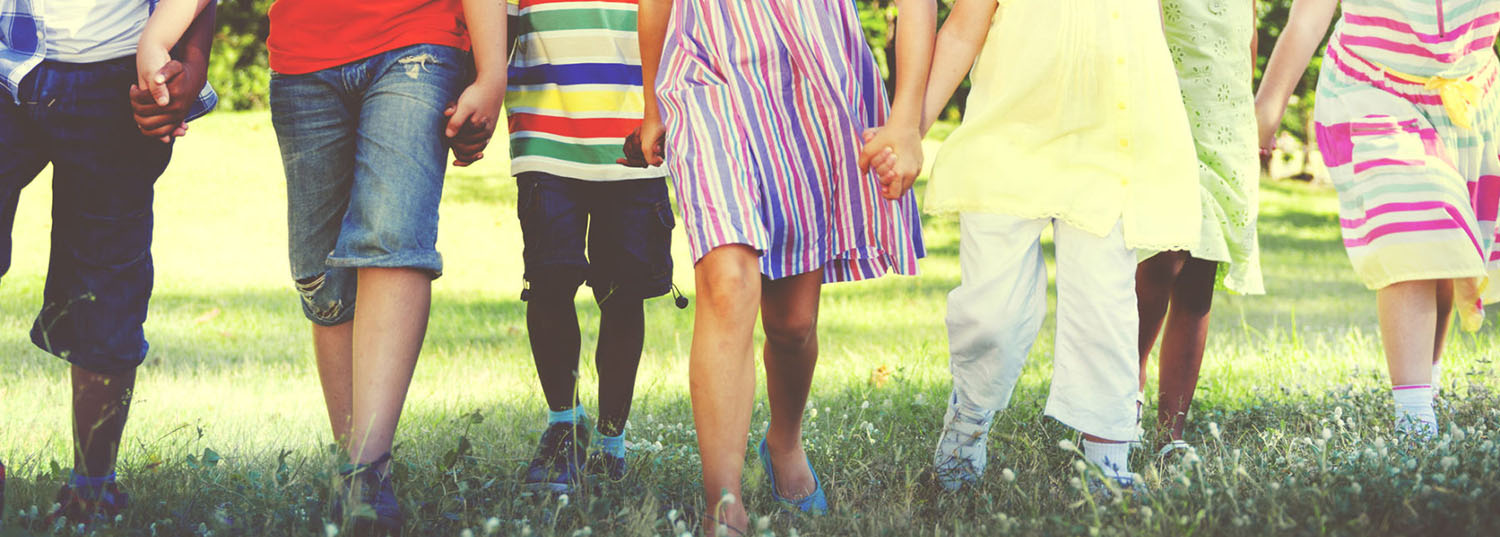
(791, 331)
(725, 286)
(560, 286)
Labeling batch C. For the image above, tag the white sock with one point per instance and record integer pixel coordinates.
(1437, 378)
(1111, 458)
(1414, 413)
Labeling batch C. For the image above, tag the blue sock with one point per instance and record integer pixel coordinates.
(572, 415)
(613, 445)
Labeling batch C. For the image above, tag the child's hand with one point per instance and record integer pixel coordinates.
(646, 146)
(895, 155)
(472, 120)
(149, 62)
(635, 157)
(1269, 121)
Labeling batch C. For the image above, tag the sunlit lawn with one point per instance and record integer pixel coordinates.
(230, 380)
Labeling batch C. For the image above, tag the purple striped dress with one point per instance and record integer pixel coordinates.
(764, 102)
(1408, 122)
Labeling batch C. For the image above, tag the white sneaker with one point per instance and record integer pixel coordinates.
(962, 451)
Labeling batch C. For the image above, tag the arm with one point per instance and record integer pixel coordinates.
(1308, 21)
(651, 21)
(898, 143)
(958, 44)
(164, 29)
(472, 120)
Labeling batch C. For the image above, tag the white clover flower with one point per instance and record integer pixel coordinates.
(723, 531)
(1066, 445)
(672, 515)
(466, 533)
(329, 529)
(1213, 429)
(1080, 466)
(1075, 483)
(763, 523)
(864, 405)
(1326, 434)
(1008, 476)
(1355, 488)
(1448, 462)
(727, 499)
(1146, 512)
(492, 526)
(1380, 443)
(585, 532)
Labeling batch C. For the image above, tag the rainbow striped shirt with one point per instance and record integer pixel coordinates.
(575, 88)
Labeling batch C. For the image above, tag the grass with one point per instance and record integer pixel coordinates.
(228, 434)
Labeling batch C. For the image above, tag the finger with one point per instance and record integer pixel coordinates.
(457, 120)
(168, 72)
(159, 92)
(869, 134)
(450, 109)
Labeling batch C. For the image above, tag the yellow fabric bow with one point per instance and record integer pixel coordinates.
(1459, 95)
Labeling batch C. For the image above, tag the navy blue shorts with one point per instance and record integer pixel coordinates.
(614, 235)
(77, 117)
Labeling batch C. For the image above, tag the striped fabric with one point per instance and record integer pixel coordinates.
(574, 88)
(1418, 194)
(764, 102)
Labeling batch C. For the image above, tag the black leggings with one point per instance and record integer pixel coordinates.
(552, 322)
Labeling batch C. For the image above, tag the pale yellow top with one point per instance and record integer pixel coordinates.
(1075, 114)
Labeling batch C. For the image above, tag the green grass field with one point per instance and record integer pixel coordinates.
(228, 434)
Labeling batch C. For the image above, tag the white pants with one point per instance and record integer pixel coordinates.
(995, 313)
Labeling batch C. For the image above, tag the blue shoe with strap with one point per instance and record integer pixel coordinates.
(815, 503)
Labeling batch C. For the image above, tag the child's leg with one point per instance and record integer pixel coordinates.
(101, 404)
(622, 333)
(388, 330)
(995, 313)
(389, 233)
(722, 375)
(789, 314)
(334, 348)
(554, 223)
(1096, 371)
(1440, 335)
(1182, 346)
(1154, 279)
(1408, 314)
(308, 111)
(552, 328)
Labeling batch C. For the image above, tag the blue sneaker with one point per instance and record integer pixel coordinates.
(376, 511)
(559, 462)
(608, 466)
(89, 505)
(815, 503)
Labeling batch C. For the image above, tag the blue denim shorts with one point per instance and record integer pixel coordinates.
(362, 144)
(78, 118)
(616, 235)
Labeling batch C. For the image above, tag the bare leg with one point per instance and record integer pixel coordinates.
(1408, 313)
(1182, 346)
(789, 313)
(1444, 318)
(389, 326)
(722, 375)
(334, 347)
(101, 404)
(1154, 278)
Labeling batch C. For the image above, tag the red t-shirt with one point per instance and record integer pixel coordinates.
(311, 35)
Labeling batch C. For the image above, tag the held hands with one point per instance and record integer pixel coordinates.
(895, 155)
(1268, 119)
(149, 62)
(160, 110)
(472, 120)
(646, 146)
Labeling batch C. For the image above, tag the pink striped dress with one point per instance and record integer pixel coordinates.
(1408, 122)
(764, 102)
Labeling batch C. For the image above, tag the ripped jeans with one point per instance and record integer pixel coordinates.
(362, 144)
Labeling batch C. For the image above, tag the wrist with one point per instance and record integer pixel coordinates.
(490, 79)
